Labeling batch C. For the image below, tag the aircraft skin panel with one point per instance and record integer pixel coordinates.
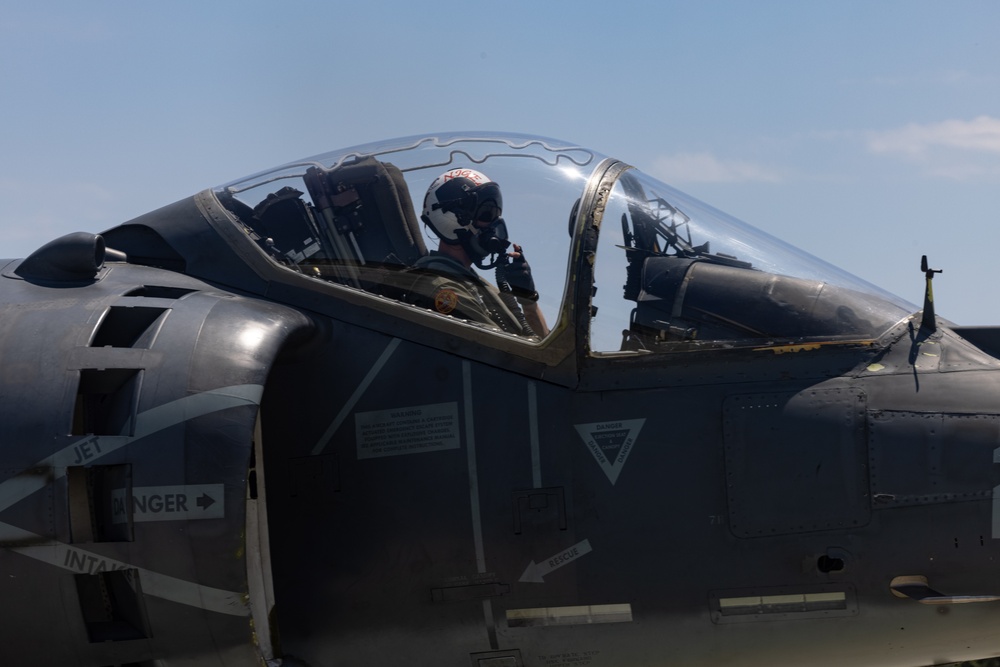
(132, 488)
(397, 536)
(236, 431)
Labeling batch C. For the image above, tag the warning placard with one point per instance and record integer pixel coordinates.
(189, 502)
(414, 430)
(610, 443)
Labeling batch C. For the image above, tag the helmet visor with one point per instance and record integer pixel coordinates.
(487, 203)
(487, 213)
(481, 205)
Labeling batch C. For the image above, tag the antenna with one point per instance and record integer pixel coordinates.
(928, 322)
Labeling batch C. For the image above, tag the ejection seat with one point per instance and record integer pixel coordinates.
(367, 224)
(358, 227)
(367, 204)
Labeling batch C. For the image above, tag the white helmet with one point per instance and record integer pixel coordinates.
(458, 198)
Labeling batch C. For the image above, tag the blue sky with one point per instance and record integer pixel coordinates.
(867, 133)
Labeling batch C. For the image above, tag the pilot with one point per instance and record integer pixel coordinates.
(462, 207)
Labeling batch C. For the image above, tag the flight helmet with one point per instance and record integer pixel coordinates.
(463, 207)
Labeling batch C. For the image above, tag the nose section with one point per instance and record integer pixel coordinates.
(985, 338)
(922, 459)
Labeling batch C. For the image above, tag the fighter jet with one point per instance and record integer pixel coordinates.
(484, 400)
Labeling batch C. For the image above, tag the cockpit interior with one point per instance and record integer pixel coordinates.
(667, 272)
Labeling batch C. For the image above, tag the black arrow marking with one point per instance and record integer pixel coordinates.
(205, 501)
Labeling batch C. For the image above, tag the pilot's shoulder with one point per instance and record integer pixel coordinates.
(427, 281)
(434, 262)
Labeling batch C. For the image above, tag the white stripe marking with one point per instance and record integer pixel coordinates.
(158, 585)
(358, 393)
(149, 422)
(996, 512)
(470, 437)
(536, 456)
(78, 560)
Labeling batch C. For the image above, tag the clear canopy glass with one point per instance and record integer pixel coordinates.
(674, 273)
(356, 215)
(671, 273)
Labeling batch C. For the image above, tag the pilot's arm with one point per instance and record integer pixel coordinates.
(535, 317)
(518, 274)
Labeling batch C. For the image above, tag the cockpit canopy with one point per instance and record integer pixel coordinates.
(669, 273)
